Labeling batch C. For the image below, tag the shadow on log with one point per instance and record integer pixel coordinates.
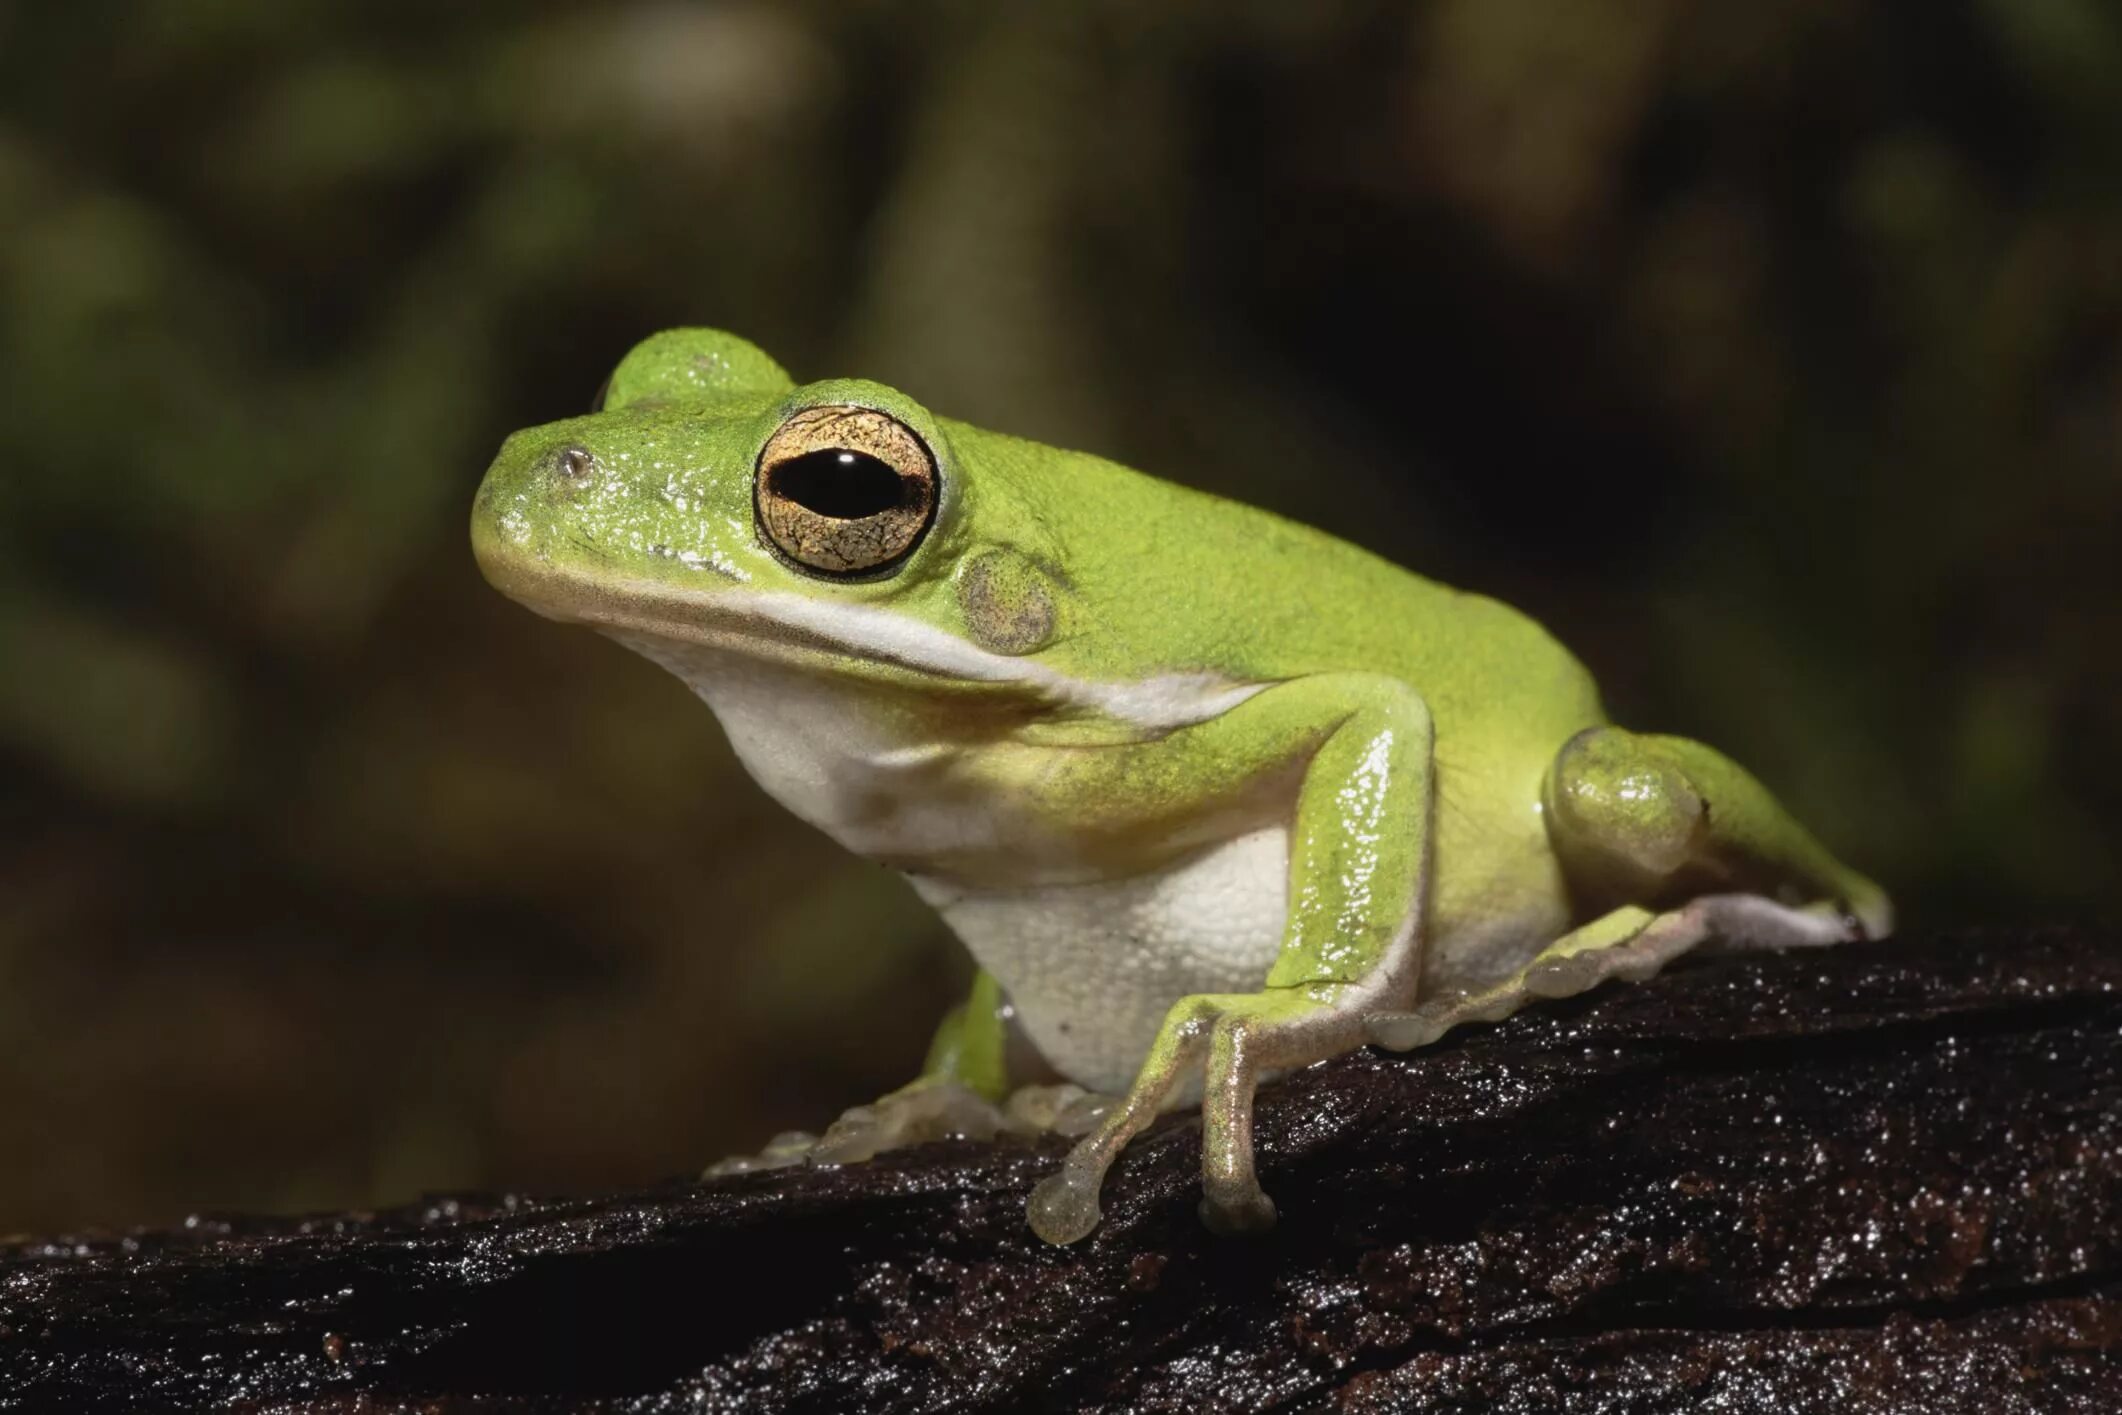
(1880, 1178)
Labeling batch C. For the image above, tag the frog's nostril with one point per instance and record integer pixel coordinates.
(575, 463)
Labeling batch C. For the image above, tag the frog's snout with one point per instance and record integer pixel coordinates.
(514, 513)
(571, 514)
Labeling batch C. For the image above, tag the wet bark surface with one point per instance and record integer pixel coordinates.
(1886, 1177)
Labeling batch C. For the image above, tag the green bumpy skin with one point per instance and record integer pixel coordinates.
(1208, 794)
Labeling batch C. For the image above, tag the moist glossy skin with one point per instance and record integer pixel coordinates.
(1206, 792)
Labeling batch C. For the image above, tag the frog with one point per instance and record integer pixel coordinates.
(1208, 794)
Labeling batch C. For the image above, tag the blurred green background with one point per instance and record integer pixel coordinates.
(1772, 354)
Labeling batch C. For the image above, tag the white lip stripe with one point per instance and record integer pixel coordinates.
(1164, 701)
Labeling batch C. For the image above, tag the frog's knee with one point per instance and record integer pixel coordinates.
(1623, 810)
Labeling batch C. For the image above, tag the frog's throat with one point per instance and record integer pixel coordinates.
(771, 623)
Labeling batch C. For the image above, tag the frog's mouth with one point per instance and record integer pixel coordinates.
(755, 624)
(755, 630)
(837, 638)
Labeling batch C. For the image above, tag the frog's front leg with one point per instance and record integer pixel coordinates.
(1358, 886)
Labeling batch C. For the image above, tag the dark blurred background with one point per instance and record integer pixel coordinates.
(1771, 353)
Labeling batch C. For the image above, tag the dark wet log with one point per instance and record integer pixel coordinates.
(1881, 1178)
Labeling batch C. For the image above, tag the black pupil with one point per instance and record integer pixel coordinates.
(843, 485)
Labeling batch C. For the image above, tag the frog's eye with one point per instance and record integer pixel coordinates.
(842, 490)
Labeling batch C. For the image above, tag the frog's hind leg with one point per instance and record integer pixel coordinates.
(1683, 848)
(1656, 821)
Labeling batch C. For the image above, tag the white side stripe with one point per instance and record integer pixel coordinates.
(1163, 701)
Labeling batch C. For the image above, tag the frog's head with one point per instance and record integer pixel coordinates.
(708, 500)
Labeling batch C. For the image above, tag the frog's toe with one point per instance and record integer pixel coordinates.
(1250, 1211)
(1063, 1109)
(1085, 1114)
(1063, 1207)
(1418, 1026)
(1864, 911)
(1566, 977)
(787, 1148)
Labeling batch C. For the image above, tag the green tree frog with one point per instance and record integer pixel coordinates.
(1209, 795)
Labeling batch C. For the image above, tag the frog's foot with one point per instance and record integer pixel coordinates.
(1631, 943)
(1062, 1109)
(928, 1109)
(1236, 1036)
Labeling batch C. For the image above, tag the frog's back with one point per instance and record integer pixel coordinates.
(1228, 588)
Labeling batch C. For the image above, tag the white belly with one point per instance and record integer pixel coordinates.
(1091, 963)
(1092, 968)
